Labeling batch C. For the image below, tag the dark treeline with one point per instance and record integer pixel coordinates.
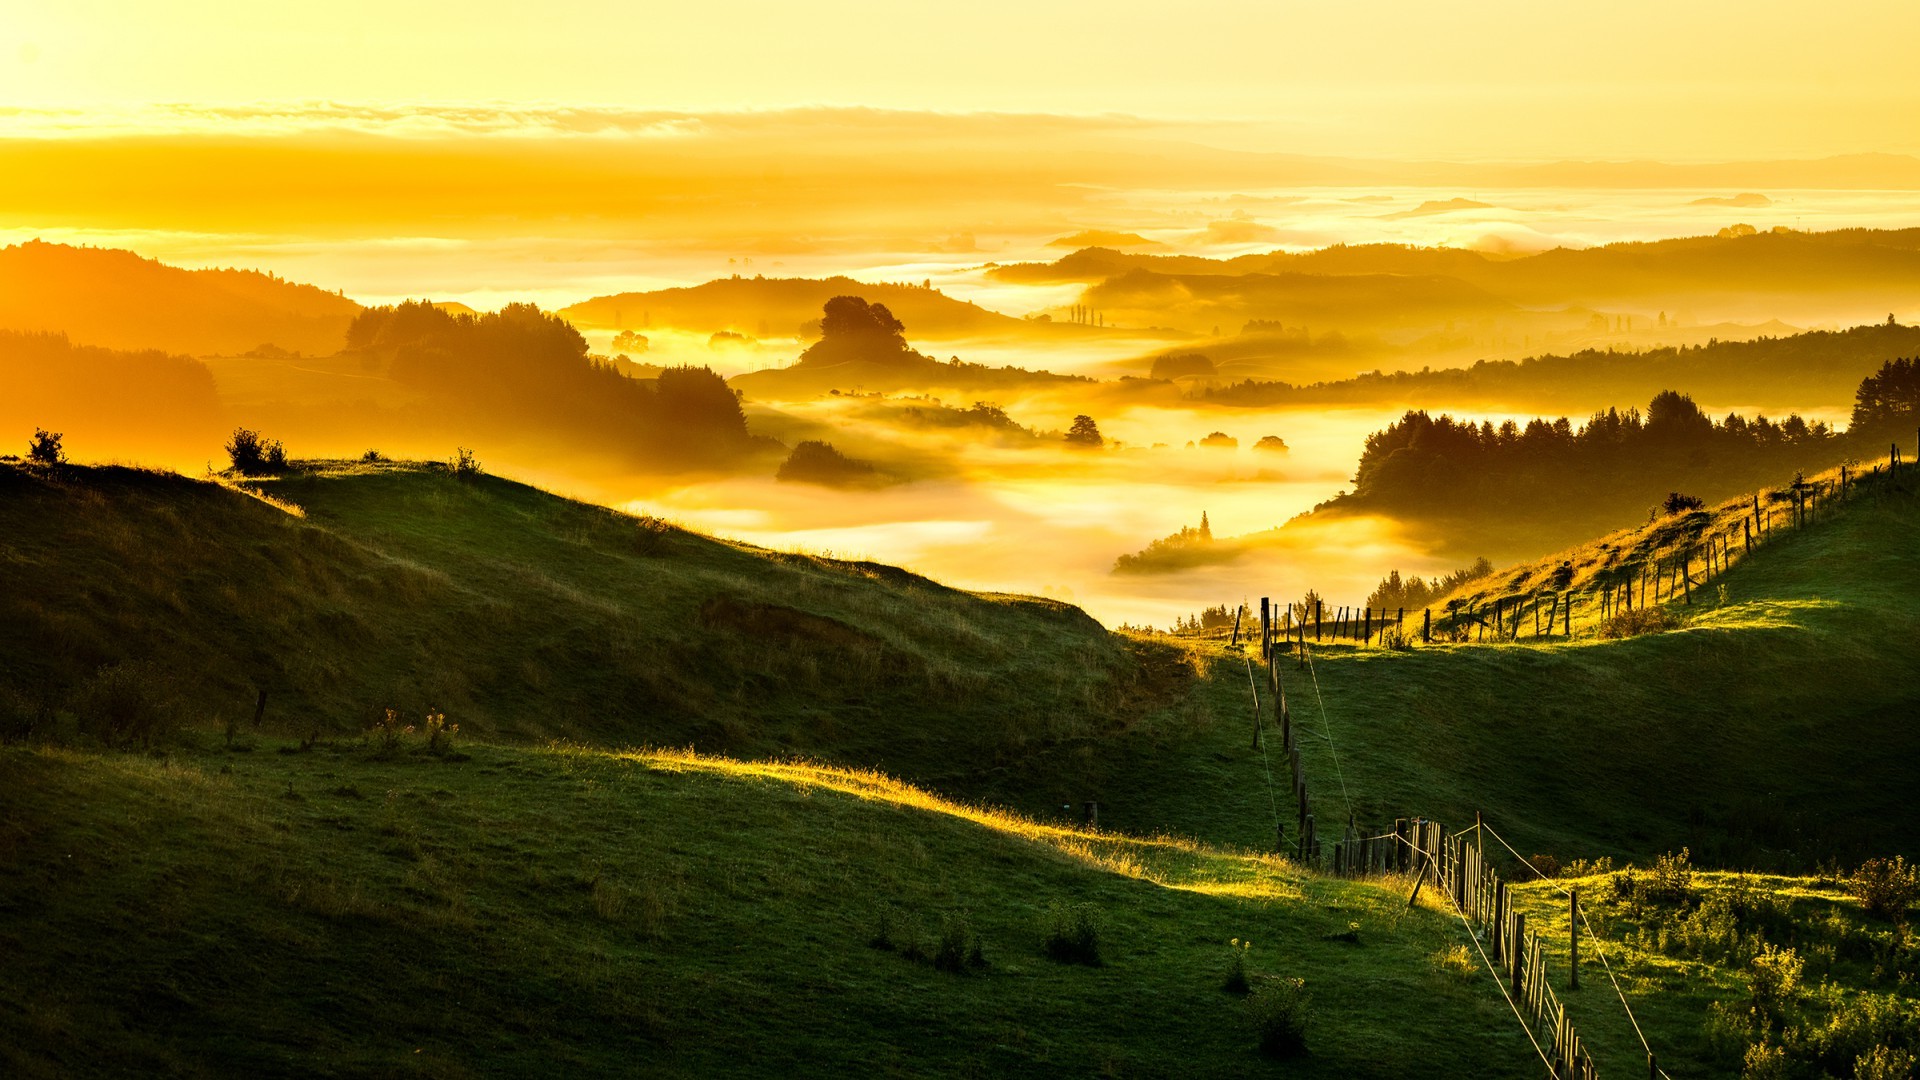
(106, 401)
(1412, 593)
(523, 372)
(1549, 478)
(1811, 367)
(1887, 405)
(863, 345)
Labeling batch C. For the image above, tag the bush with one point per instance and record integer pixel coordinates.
(1278, 1013)
(252, 455)
(959, 947)
(440, 733)
(1677, 503)
(1073, 935)
(372, 457)
(1775, 980)
(1672, 878)
(44, 449)
(1545, 865)
(1886, 887)
(464, 465)
(1235, 981)
(126, 703)
(1765, 1061)
(1883, 1063)
(1646, 620)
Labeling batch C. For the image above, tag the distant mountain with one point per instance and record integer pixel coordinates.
(1437, 206)
(1104, 238)
(1353, 301)
(1740, 274)
(114, 298)
(784, 307)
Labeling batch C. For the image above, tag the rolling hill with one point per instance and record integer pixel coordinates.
(113, 298)
(783, 307)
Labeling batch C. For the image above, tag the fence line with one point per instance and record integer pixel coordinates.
(1654, 579)
(1425, 849)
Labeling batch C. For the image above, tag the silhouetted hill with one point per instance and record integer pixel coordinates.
(107, 403)
(1361, 301)
(1735, 274)
(784, 307)
(105, 296)
(864, 347)
(1813, 369)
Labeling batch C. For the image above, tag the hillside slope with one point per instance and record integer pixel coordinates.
(526, 616)
(779, 307)
(104, 296)
(1772, 728)
(348, 912)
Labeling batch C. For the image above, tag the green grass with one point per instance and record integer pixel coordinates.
(521, 908)
(522, 615)
(570, 911)
(1774, 730)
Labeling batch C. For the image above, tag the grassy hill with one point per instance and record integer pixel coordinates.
(522, 615)
(322, 897)
(1771, 726)
(351, 912)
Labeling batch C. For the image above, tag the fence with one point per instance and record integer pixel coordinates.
(1457, 869)
(1693, 560)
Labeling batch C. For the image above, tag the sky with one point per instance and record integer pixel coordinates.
(1493, 80)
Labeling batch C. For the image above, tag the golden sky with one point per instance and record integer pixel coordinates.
(1374, 78)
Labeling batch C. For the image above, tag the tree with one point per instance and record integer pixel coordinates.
(254, 456)
(45, 448)
(1085, 433)
(1889, 395)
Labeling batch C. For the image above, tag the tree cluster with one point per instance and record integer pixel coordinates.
(1439, 465)
(1411, 593)
(1889, 399)
(520, 368)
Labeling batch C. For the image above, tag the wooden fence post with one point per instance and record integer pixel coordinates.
(1519, 949)
(1567, 619)
(1264, 631)
(1686, 574)
(1426, 628)
(1318, 613)
(1366, 628)
(1573, 938)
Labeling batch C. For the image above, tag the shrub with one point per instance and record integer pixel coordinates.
(464, 465)
(1278, 1013)
(372, 457)
(1775, 979)
(1672, 878)
(959, 947)
(1235, 981)
(1765, 1061)
(1073, 934)
(440, 733)
(1883, 1063)
(44, 449)
(1677, 503)
(1728, 1029)
(252, 455)
(1545, 865)
(126, 703)
(1886, 887)
(386, 732)
(1645, 620)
